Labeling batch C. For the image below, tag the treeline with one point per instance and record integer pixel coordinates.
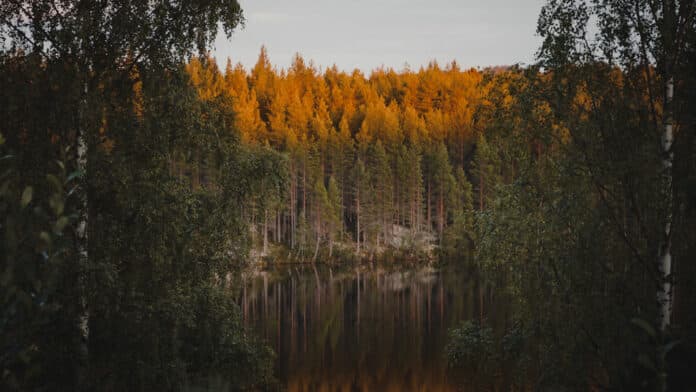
(368, 158)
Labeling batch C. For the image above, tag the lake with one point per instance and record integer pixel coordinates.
(367, 328)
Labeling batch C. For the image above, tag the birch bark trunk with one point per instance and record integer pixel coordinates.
(82, 244)
(664, 294)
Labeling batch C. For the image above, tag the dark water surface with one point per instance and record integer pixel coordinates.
(364, 328)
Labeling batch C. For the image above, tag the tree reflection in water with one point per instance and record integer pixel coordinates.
(363, 329)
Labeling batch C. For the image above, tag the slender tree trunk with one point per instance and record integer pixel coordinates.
(293, 203)
(304, 189)
(357, 217)
(253, 225)
(265, 231)
(316, 248)
(664, 294)
(398, 208)
(412, 217)
(385, 226)
(330, 246)
(83, 246)
(276, 237)
(418, 205)
(441, 213)
(429, 218)
(318, 224)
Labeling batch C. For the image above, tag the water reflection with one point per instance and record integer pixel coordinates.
(362, 329)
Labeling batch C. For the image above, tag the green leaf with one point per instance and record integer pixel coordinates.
(56, 203)
(73, 175)
(44, 236)
(60, 224)
(26, 196)
(645, 326)
(55, 182)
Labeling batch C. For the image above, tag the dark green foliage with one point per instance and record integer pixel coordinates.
(164, 185)
(471, 347)
(160, 252)
(574, 219)
(457, 242)
(35, 271)
(161, 242)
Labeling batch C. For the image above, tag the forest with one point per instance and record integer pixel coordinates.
(171, 225)
(366, 163)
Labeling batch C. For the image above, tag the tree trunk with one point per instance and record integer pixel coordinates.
(441, 213)
(265, 232)
(293, 203)
(427, 207)
(417, 204)
(357, 217)
(304, 190)
(316, 247)
(398, 208)
(664, 294)
(82, 246)
(253, 225)
(316, 250)
(412, 216)
(277, 226)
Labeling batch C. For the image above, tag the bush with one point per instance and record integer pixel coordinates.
(470, 347)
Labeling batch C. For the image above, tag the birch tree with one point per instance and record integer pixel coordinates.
(647, 35)
(646, 38)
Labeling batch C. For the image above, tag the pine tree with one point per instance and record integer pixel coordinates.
(361, 198)
(484, 168)
(381, 183)
(335, 213)
(322, 213)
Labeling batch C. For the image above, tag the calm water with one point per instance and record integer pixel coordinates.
(362, 329)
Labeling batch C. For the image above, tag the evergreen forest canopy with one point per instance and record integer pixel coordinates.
(137, 179)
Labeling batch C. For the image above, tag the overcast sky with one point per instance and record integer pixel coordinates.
(367, 34)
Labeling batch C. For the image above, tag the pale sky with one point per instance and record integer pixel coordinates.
(367, 34)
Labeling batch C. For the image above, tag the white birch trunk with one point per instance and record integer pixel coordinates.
(82, 245)
(664, 294)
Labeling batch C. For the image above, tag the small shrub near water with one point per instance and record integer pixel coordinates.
(470, 347)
